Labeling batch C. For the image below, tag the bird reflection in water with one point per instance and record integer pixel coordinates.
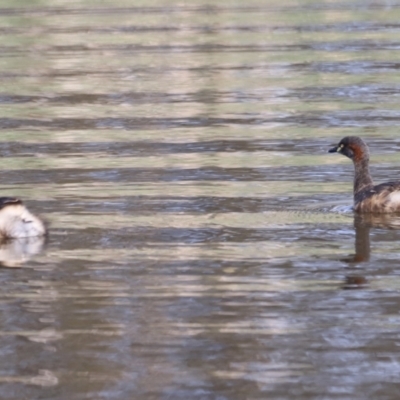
(16, 252)
(362, 225)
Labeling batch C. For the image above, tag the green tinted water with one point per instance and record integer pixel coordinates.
(202, 239)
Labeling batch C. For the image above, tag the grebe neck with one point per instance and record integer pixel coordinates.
(362, 177)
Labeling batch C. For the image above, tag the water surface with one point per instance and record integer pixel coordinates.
(202, 240)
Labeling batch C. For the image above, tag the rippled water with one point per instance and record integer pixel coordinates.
(202, 241)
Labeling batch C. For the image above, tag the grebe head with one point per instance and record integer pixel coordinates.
(352, 147)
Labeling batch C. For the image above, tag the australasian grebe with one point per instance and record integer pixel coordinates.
(383, 198)
(16, 221)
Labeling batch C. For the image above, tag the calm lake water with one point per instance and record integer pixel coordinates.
(202, 240)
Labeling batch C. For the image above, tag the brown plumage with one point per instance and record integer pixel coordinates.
(368, 198)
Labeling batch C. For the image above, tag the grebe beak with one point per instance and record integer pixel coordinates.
(334, 149)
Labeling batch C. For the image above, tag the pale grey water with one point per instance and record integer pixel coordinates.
(202, 244)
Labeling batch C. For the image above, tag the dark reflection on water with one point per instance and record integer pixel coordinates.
(145, 148)
(144, 205)
(352, 93)
(74, 175)
(362, 242)
(344, 46)
(139, 236)
(122, 123)
(363, 224)
(359, 118)
(350, 67)
(344, 67)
